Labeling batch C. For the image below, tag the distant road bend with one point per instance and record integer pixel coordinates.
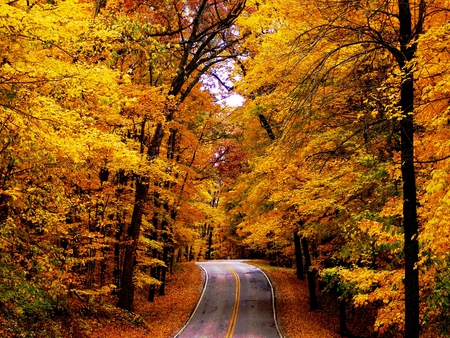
(237, 301)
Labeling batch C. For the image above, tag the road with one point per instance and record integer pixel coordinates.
(237, 301)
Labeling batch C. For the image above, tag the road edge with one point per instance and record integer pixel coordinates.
(198, 302)
(274, 309)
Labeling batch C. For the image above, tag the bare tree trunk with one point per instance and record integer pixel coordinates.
(164, 271)
(153, 269)
(265, 124)
(152, 289)
(117, 270)
(208, 253)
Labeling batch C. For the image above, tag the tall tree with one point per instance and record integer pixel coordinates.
(348, 72)
(408, 46)
(57, 105)
(403, 48)
(201, 33)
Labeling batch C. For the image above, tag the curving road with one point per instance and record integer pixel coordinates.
(237, 301)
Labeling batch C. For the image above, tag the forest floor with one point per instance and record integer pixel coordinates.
(165, 317)
(296, 320)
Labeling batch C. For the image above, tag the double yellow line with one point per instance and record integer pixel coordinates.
(237, 297)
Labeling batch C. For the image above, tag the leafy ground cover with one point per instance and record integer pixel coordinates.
(292, 304)
(169, 313)
(164, 317)
(295, 318)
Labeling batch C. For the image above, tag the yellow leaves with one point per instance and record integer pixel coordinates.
(331, 175)
(105, 290)
(374, 287)
(67, 97)
(47, 26)
(436, 201)
(439, 183)
(264, 229)
(143, 279)
(146, 101)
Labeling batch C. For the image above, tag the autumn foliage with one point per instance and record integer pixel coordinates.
(346, 87)
(116, 158)
(105, 151)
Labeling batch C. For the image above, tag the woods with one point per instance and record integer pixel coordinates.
(120, 156)
(101, 123)
(344, 89)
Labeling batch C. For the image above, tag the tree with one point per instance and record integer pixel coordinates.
(342, 87)
(403, 49)
(57, 103)
(89, 205)
(201, 39)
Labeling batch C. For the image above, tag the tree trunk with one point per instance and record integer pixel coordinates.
(343, 317)
(153, 269)
(126, 292)
(311, 274)
(298, 257)
(164, 271)
(155, 144)
(171, 259)
(208, 252)
(152, 289)
(410, 222)
(118, 235)
(265, 124)
(165, 240)
(410, 225)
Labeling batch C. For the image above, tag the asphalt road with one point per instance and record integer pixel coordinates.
(237, 301)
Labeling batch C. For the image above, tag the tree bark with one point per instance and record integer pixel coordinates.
(208, 253)
(311, 274)
(298, 257)
(117, 271)
(126, 292)
(165, 258)
(152, 289)
(154, 269)
(410, 222)
(265, 124)
(343, 317)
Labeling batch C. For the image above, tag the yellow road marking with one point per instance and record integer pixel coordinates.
(237, 297)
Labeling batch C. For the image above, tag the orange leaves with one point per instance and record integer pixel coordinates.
(435, 237)
(229, 159)
(333, 97)
(368, 287)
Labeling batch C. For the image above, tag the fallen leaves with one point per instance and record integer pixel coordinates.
(166, 315)
(292, 305)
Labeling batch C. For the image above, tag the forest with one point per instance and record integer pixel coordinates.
(122, 151)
